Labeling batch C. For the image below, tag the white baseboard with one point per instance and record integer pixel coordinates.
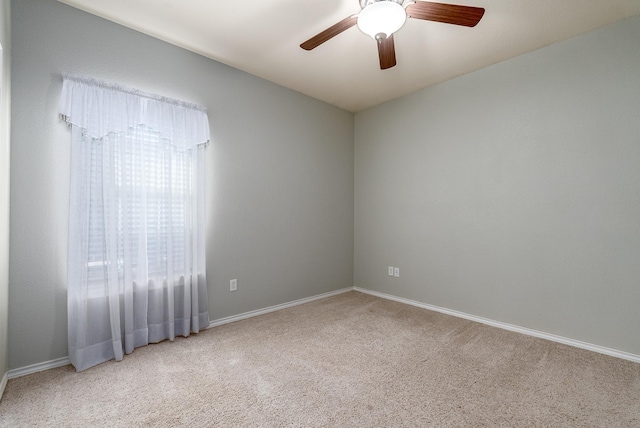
(529, 332)
(3, 384)
(258, 312)
(34, 368)
(39, 367)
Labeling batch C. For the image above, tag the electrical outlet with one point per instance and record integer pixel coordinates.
(233, 285)
(396, 272)
(390, 270)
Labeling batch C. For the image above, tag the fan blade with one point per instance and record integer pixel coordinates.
(387, 53)
(329, 33)
(448, 13)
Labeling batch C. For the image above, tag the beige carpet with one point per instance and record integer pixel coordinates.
(352, 360)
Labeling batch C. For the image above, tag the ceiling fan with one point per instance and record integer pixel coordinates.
(381, 18)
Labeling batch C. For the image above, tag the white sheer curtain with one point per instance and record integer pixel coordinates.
(136, 270)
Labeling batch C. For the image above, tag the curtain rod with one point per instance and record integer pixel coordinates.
(125, 89)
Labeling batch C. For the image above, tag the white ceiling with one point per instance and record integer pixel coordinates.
(262, 37)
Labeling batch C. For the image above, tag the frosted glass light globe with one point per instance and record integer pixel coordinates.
(381, 19)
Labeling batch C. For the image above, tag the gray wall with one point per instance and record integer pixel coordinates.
(5, 106)
(513, 193)
(280, 173)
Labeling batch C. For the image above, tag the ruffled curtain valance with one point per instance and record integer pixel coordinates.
(100, 108)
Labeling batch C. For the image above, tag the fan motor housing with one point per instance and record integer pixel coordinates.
(365, 3)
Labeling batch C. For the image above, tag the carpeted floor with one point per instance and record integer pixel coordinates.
(352, 360)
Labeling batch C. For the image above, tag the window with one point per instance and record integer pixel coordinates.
(153, 187)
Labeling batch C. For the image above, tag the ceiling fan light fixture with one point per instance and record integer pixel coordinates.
(381, 19)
